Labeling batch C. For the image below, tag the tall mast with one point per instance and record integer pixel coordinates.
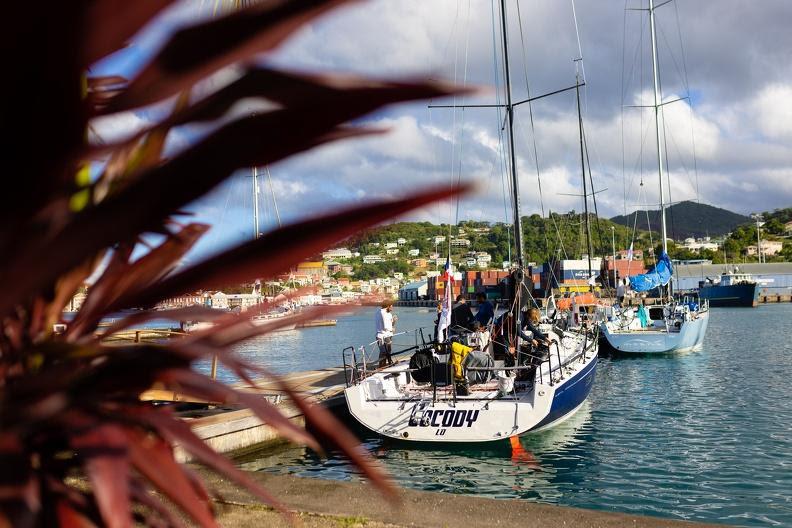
(656, 75)
(274, 200)
(583, 172)
(510, 118)
(255, 204)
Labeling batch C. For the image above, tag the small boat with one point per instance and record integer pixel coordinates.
(734, 289)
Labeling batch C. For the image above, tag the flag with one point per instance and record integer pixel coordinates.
(445, 314)
(593, 279)
(630, 252)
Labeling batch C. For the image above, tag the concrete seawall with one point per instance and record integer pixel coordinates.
(336, 503)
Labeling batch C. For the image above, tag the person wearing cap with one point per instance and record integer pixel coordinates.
(486, 312)
(385, 325)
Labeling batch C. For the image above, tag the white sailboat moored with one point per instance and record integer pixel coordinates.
(457, 394)
(675, 325)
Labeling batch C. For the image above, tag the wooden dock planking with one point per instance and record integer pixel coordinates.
(318, 385)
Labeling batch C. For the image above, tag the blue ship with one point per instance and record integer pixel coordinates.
(733, 289)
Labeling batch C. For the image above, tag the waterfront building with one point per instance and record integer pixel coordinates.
(697, 245)
(315, 269)
(413, 291)
(337, 253)
(769, 247)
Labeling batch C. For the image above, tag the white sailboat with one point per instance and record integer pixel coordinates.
(674, 326)
(496, 402)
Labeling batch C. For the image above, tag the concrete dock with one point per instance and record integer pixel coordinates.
(236, 430)
(332, 503)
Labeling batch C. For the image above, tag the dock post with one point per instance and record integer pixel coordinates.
(137, 336)
(214, 367)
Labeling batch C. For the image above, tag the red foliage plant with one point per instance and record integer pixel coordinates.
(69, 403)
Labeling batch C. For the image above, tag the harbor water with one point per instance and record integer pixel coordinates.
(703, 436)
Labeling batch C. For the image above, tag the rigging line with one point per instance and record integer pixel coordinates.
(660, 115)
(533, 130)
(690, 108)
(580, 49)
(668, 178)
(501, 150)
(598, 223)
(453, 130)
(623, 54)
(636, 59)
(462, 125)
(274, 200)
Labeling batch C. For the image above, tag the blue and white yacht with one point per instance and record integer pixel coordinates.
(454, 400)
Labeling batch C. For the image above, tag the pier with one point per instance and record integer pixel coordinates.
(233, 430)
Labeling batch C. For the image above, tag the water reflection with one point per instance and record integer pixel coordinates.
(701, 436)
(535, 468)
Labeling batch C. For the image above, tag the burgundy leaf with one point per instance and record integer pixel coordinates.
(200, 386)
(196, 52)
(252, 141)
(67, 286)
(142, 496)
(189, 313)
(95, 303)
(179, 432)
(69, 517)
(138, 276)
(278, 250)
(105, 452)
(153, 458)
(112, 23)
(328, 425)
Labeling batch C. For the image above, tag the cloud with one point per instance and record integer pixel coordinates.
(730, 59)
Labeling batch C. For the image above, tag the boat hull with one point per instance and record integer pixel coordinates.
(487, 418)
(568, 399)
(746, 295)
(689, 337)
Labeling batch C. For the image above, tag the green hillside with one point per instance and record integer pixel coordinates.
(687, 219)
(563, 235)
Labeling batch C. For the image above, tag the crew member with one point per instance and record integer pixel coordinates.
(485, 309)
(386, 322)
(461, 315)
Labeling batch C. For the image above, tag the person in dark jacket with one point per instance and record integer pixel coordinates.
(461, 315)
(531, 325)
(485, 310)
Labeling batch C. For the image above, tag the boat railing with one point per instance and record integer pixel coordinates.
(355, 372)
(359, 362)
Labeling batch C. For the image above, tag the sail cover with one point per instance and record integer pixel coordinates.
(659, 276)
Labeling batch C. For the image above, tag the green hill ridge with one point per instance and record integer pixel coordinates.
(686, 219)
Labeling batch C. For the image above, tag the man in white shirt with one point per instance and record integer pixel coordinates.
(385, 325)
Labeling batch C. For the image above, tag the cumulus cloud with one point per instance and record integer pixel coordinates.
(730, 61)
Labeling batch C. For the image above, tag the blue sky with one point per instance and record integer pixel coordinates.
(730, 59)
